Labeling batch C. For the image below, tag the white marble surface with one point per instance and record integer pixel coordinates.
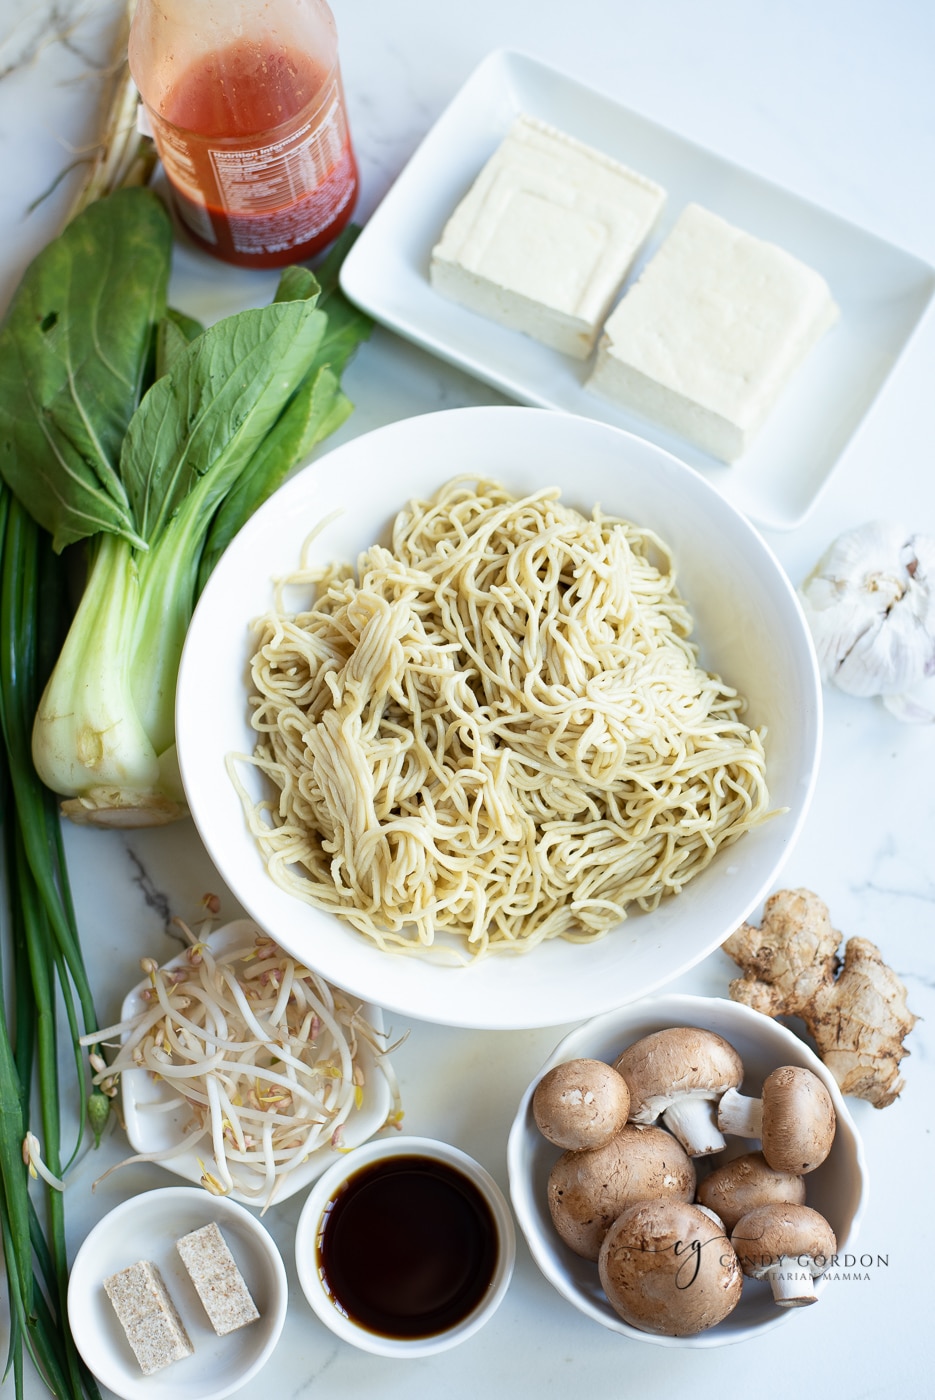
(833, 99)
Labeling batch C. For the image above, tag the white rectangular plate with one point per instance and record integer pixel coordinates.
(882, 290)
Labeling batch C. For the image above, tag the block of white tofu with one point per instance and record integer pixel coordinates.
(544, 238)
(217, 1279)
(148, 1316)
(710, 334)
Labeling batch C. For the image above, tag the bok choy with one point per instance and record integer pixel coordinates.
(126, 425)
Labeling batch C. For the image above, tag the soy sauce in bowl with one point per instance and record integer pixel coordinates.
(405, 1247)
(408, 1247)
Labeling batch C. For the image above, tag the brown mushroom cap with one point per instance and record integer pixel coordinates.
(798, 1120)
(588, 1190)
(668, 1268)
(581, 1104)
(735, 1187)
(793, 1118)
(678, 1074)
(789, 1245)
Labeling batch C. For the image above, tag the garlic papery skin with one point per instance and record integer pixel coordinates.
(870, 605)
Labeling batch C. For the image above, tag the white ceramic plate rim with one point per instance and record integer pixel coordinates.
(882, 290)
(497, 992)
(658, 1012)
(131, 1231)
(148, 1133)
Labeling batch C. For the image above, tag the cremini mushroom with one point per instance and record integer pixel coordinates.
(735, 1187)
(588, 1190)
(581, 1104)
(789, 1246)
(793, 1118)
(679, 1075)
(667, 1267)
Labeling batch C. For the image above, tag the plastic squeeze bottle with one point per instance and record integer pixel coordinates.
(245, 104)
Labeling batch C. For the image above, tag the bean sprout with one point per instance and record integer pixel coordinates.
(264, 1052)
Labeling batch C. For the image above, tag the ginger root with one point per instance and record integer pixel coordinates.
(856, 1010)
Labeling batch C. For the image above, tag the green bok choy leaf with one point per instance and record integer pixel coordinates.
(123, 423)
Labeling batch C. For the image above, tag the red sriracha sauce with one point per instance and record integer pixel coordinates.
(258, 154)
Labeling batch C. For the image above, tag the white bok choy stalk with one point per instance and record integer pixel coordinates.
(125, 424)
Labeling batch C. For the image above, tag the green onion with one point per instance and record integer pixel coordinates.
(44, 962)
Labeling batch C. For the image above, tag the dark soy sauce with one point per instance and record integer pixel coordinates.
(408, 1247)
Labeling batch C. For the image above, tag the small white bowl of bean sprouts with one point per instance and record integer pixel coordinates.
(244, 1071)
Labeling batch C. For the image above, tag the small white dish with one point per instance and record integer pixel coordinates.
(152, 1127)
(147, 1227)
(749, 626)
(837, 1189)
(314, 1218)
(882, 290)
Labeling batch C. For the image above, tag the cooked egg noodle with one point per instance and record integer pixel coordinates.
(497, 729)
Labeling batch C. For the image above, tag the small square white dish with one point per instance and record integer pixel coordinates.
(154, 1125)
(882, 290)
(146, 1227)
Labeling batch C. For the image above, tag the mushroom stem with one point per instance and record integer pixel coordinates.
(691, 1118)
(792, 1282)
(740, 1115)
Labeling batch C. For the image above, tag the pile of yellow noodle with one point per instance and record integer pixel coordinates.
(496, 729)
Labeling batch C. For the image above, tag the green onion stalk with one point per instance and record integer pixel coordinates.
(45, 962)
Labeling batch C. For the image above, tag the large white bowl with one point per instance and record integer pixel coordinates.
(837, 1189)
(749, 626)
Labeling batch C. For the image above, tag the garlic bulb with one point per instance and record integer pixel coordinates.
(870, 604)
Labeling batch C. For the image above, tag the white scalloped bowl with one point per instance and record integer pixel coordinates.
(749, 626)
(837, 1189)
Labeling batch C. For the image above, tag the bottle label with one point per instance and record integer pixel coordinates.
(196, 216)
(276, 229)
(276, 195)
